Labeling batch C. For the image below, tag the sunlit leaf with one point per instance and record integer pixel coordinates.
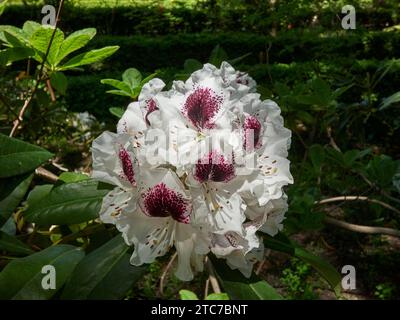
(89, 57)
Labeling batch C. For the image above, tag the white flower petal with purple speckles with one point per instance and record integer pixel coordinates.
(200, 167)
(114, 160)
(115, 203)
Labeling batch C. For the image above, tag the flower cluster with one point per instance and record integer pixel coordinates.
(200, 167)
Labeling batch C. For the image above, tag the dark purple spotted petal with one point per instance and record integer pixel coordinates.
(127, 166)
(151, 106)
(214, 167)
(161, 201)
(252, 133)
(201, 107)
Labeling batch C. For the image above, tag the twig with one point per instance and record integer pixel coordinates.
(362, 229)
(165, 272)
(46, 174)
(213, 278)
(206, 288)
(355, 198)
(39, 76)
(373, 185)
(50, 88)
(331, 140)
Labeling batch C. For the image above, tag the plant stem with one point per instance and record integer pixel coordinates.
(355, 198)
(362, 229)
(39, 77)
(213, 279)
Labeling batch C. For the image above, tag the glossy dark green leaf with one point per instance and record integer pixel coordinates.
(22, 278)
(12, 191)
(239, 287)
(69, 203)
(9, 227)
(39, 192)
(18, 157)
(105, 273)
(12, 245)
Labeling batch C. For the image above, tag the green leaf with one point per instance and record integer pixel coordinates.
(9, 227)
(119, 93)
(217, 296)
(30, 27)
(40, 40)
(59, 81)
(39, 192)
(218, 55)
(240, 288)
(323, 267)
(317, 155)
(10, 55)
(89, 57)
(12, 245)
(105, 273)
(132, 77)
(187, 295)
(387, 102)
(75, 41)
(22, 278)
(117, 111)
(12, 191)
(238, 59)
(13, 36)
(68, 177)
(117, 84)
(18, 157)
(69, 203)
(191, 65)
(381, 170)
(2, 6)
(147, 79)
(338, 92)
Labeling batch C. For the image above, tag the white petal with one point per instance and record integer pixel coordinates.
(132, 121)
(107, 166)
(115, 203)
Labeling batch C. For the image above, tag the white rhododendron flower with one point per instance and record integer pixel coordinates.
(200, 167)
